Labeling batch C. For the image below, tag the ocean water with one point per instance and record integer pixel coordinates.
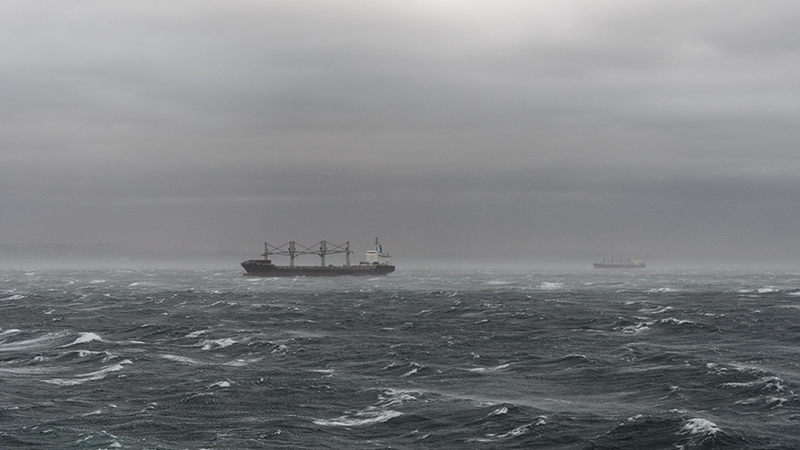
(422, 358)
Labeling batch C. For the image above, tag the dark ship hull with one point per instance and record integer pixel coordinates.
(261, 268)
(619, 266)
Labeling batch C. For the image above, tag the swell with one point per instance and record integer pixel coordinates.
(495, 359)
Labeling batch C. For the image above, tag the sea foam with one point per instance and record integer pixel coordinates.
(84, 338)
(92, 376)
(699, 427)
(360, 419)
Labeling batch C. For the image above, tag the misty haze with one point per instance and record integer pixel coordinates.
(360, 224)
(505, 131)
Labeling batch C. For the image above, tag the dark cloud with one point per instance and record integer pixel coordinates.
(531, 129)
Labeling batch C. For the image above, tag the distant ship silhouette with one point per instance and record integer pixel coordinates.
(620, 264)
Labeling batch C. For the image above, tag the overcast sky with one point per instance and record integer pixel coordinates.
(474, 129)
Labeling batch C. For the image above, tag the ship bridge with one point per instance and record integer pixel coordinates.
(376, 256)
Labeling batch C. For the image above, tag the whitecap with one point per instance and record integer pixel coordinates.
(221, 384)
(394, 397)
(699, 427)
(777, 402)
(84, 338)
(577, 356)
(217, 343)
(499, 411)
(520, 430)
(223, 303)
(635, 418)
(281, 348)
(672, 390)
(28, 370)
(92, 376)
(551, 286)
(746, 368)
(195, 334)
(242, 362)
(657, 311)
(772, 382)
(638, 328)
(489, 369)
(675, 321)
(30, 344)
(360, 419)
(181, 359)
(14, 297)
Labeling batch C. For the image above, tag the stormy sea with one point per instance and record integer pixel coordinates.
(422, 358)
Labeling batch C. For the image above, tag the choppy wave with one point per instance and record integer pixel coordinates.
(84, 338)
(662, 290)
(91, 376)
(490, 369)
(45, 341)
(217, 343)
(420, 359)
(373, 414)
(360, 418)
(182, 359)
(700, 432)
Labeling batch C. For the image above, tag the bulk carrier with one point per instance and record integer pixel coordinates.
(377, 261)
(620, 264)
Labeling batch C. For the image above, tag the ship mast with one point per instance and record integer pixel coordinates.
(323, 248)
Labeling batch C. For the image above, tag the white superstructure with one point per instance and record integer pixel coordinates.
(376, 256)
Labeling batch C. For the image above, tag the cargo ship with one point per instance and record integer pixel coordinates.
(620, 264)
(377, 261)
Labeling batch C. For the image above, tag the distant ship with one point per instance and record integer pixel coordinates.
(620, 264)
(377, 261)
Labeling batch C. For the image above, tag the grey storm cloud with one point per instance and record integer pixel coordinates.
(530, 129)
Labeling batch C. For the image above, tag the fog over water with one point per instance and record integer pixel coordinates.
(472, 130)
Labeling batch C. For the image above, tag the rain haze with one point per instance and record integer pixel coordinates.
(469, 130)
